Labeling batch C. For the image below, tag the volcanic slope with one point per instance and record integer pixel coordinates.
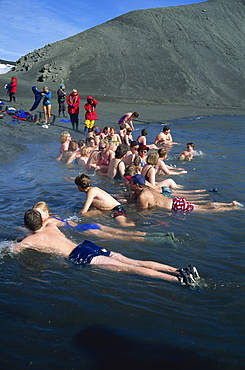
(186, 54)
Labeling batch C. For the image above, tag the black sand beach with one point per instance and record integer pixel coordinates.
(165, 63)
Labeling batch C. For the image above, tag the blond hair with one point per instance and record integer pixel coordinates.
(64, 136)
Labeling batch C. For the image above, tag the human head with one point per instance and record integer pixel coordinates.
(62, 86)
(122, 126)
(106, 130)
(33, 220)
(190, 145)
(112, 130)
(152, 158)
(74, 91)
(89, 99)
(120, 151)
(134, 146)
(162, 152)
(135, 115)
(81, 143)
(104, 145)
(166, 129)
(136, 181)
(97, 131)
(144, 132)
(45, 88)
(83, 181)
(91, 141)
(64, 136)
(73, 146)
(143, 149)
(85, 151)
(43, 208)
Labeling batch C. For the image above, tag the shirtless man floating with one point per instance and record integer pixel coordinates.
(50, 239)
(148, 197)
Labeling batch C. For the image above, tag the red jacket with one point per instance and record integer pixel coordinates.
(13, 87)
(73, 101)
(90, 109)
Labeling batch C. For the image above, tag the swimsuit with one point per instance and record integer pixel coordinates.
(86, 251)
(147, 177)
(79, 227)
(118, 211)
(118, 175)
(181, 204)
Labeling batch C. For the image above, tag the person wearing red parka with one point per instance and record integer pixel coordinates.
(73, 102)
(12, 88)
(90, 115)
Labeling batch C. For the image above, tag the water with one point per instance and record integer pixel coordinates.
(59, 316)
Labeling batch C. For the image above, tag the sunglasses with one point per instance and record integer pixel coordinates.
(102, 147)
(143, 151)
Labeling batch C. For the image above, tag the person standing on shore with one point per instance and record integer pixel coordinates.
(61, 99)
(12, 88)
(90, 114)
(47, 105)
(73, 101)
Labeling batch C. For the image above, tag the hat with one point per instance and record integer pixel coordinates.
(97, 131)
(89, 97)
(62, 85)
(143, 147)
(137, 179)
(134, 143)
(74, 91)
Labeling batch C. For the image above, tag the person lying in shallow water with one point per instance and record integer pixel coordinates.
(48, 238)
(99, 230)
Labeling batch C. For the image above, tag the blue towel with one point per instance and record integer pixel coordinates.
(38, 98)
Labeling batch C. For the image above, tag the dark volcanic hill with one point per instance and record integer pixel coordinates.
(185, 54)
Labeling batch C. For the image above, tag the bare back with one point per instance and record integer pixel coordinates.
(101, 199)
(151, 198)
(49, 239)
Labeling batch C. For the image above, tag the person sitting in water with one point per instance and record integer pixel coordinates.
(48, 238)
(188, 153)
(70, 156)
(164, 137)
(65, 139)
(101, 200)
(163, 169)
(99, 230)
(148, 197)
(117, 166)
(131, 153)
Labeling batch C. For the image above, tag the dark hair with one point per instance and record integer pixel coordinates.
(83, 180)
(81, 143)
(121, 151)
(191, 144)
(136, 114)
(144, 132)
(33, 219)
(166, 128)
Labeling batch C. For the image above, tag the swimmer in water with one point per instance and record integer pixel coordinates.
(188, 153)
(148, 197)
(99, 230)
(48, 238)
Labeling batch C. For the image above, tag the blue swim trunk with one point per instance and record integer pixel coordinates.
(85, 227)
(86, 251)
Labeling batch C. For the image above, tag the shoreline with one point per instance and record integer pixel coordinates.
(15, 137)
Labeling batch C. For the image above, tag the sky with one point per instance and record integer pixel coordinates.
(27, 25)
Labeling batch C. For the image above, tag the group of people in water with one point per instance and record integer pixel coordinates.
(141, 168)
